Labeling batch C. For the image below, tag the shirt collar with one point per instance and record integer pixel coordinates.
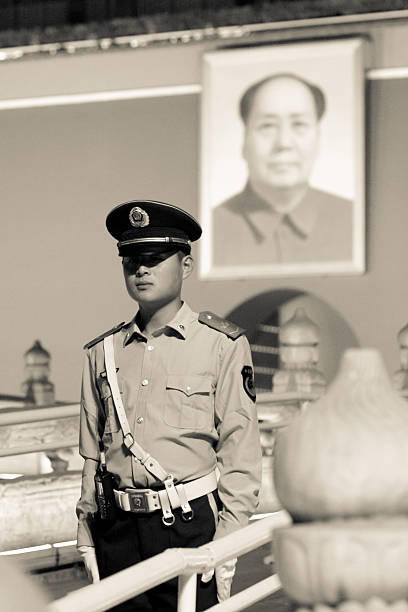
(180, 324)
(182, 321)
(132, 329)
(301, 219)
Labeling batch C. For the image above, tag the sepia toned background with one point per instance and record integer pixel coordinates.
(65, 164)
(93, 114)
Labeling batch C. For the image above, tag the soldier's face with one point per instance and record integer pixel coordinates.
(156, 278)
(281, 135)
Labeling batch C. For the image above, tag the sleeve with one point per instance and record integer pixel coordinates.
(88, 449)
(239, 456)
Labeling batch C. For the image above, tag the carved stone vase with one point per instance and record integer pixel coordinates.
(341, 471)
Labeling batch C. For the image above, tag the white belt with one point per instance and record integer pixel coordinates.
(148, 500)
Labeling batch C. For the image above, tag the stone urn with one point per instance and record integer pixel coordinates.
(341, 471)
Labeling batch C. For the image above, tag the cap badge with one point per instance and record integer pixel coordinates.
(138, 217)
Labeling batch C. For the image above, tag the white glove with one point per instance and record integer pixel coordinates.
(223, 576)
(91, 565)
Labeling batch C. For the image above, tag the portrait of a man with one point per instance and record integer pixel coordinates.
(278, 217)
(298, 203)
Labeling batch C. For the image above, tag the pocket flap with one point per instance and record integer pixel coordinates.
(104, 387)
(189, 384)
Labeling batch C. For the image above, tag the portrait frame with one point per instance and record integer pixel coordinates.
(336, 66)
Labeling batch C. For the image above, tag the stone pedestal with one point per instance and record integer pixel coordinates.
(340, 471)
(329, 562)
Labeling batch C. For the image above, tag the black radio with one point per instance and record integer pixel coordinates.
(104, 485)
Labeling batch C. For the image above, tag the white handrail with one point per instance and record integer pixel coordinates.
(169, 564)
(249, 596)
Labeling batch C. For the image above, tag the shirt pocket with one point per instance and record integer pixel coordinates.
(189, 402)
(112, 423)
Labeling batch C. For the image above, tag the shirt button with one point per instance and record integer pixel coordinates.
(188, 388)
(150, 347)
(140, 420)
(145, 382)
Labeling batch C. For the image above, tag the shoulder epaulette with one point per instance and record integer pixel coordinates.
(102, 336)
(222, 325)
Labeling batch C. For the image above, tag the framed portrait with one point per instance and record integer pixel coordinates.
(282, 173)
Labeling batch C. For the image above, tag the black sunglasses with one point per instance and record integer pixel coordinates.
(148, 259)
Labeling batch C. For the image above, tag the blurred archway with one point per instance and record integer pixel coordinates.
(262, 316)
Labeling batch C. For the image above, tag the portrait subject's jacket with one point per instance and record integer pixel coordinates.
(246, 230)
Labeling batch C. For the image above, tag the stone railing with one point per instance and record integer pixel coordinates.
(275, 410)
(39, 510)
(28, 430)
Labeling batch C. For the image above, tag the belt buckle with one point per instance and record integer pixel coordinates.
(138, 501)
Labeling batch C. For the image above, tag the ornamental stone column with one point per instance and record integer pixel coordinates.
(294, 385)
(36, 387)
(299, 340)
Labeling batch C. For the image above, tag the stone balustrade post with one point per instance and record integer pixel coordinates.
(340, 471)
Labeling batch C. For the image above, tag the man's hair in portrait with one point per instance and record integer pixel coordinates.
(247, 97)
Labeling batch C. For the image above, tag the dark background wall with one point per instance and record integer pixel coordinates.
(63, 167)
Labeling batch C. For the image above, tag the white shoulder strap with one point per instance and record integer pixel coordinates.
(145, 459)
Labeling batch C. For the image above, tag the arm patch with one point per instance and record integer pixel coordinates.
(102, 336)
(247, 374)
(222, 325)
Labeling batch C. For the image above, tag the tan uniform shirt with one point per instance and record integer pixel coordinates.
(183, 392)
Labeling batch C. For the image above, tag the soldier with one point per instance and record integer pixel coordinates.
(169, 429)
